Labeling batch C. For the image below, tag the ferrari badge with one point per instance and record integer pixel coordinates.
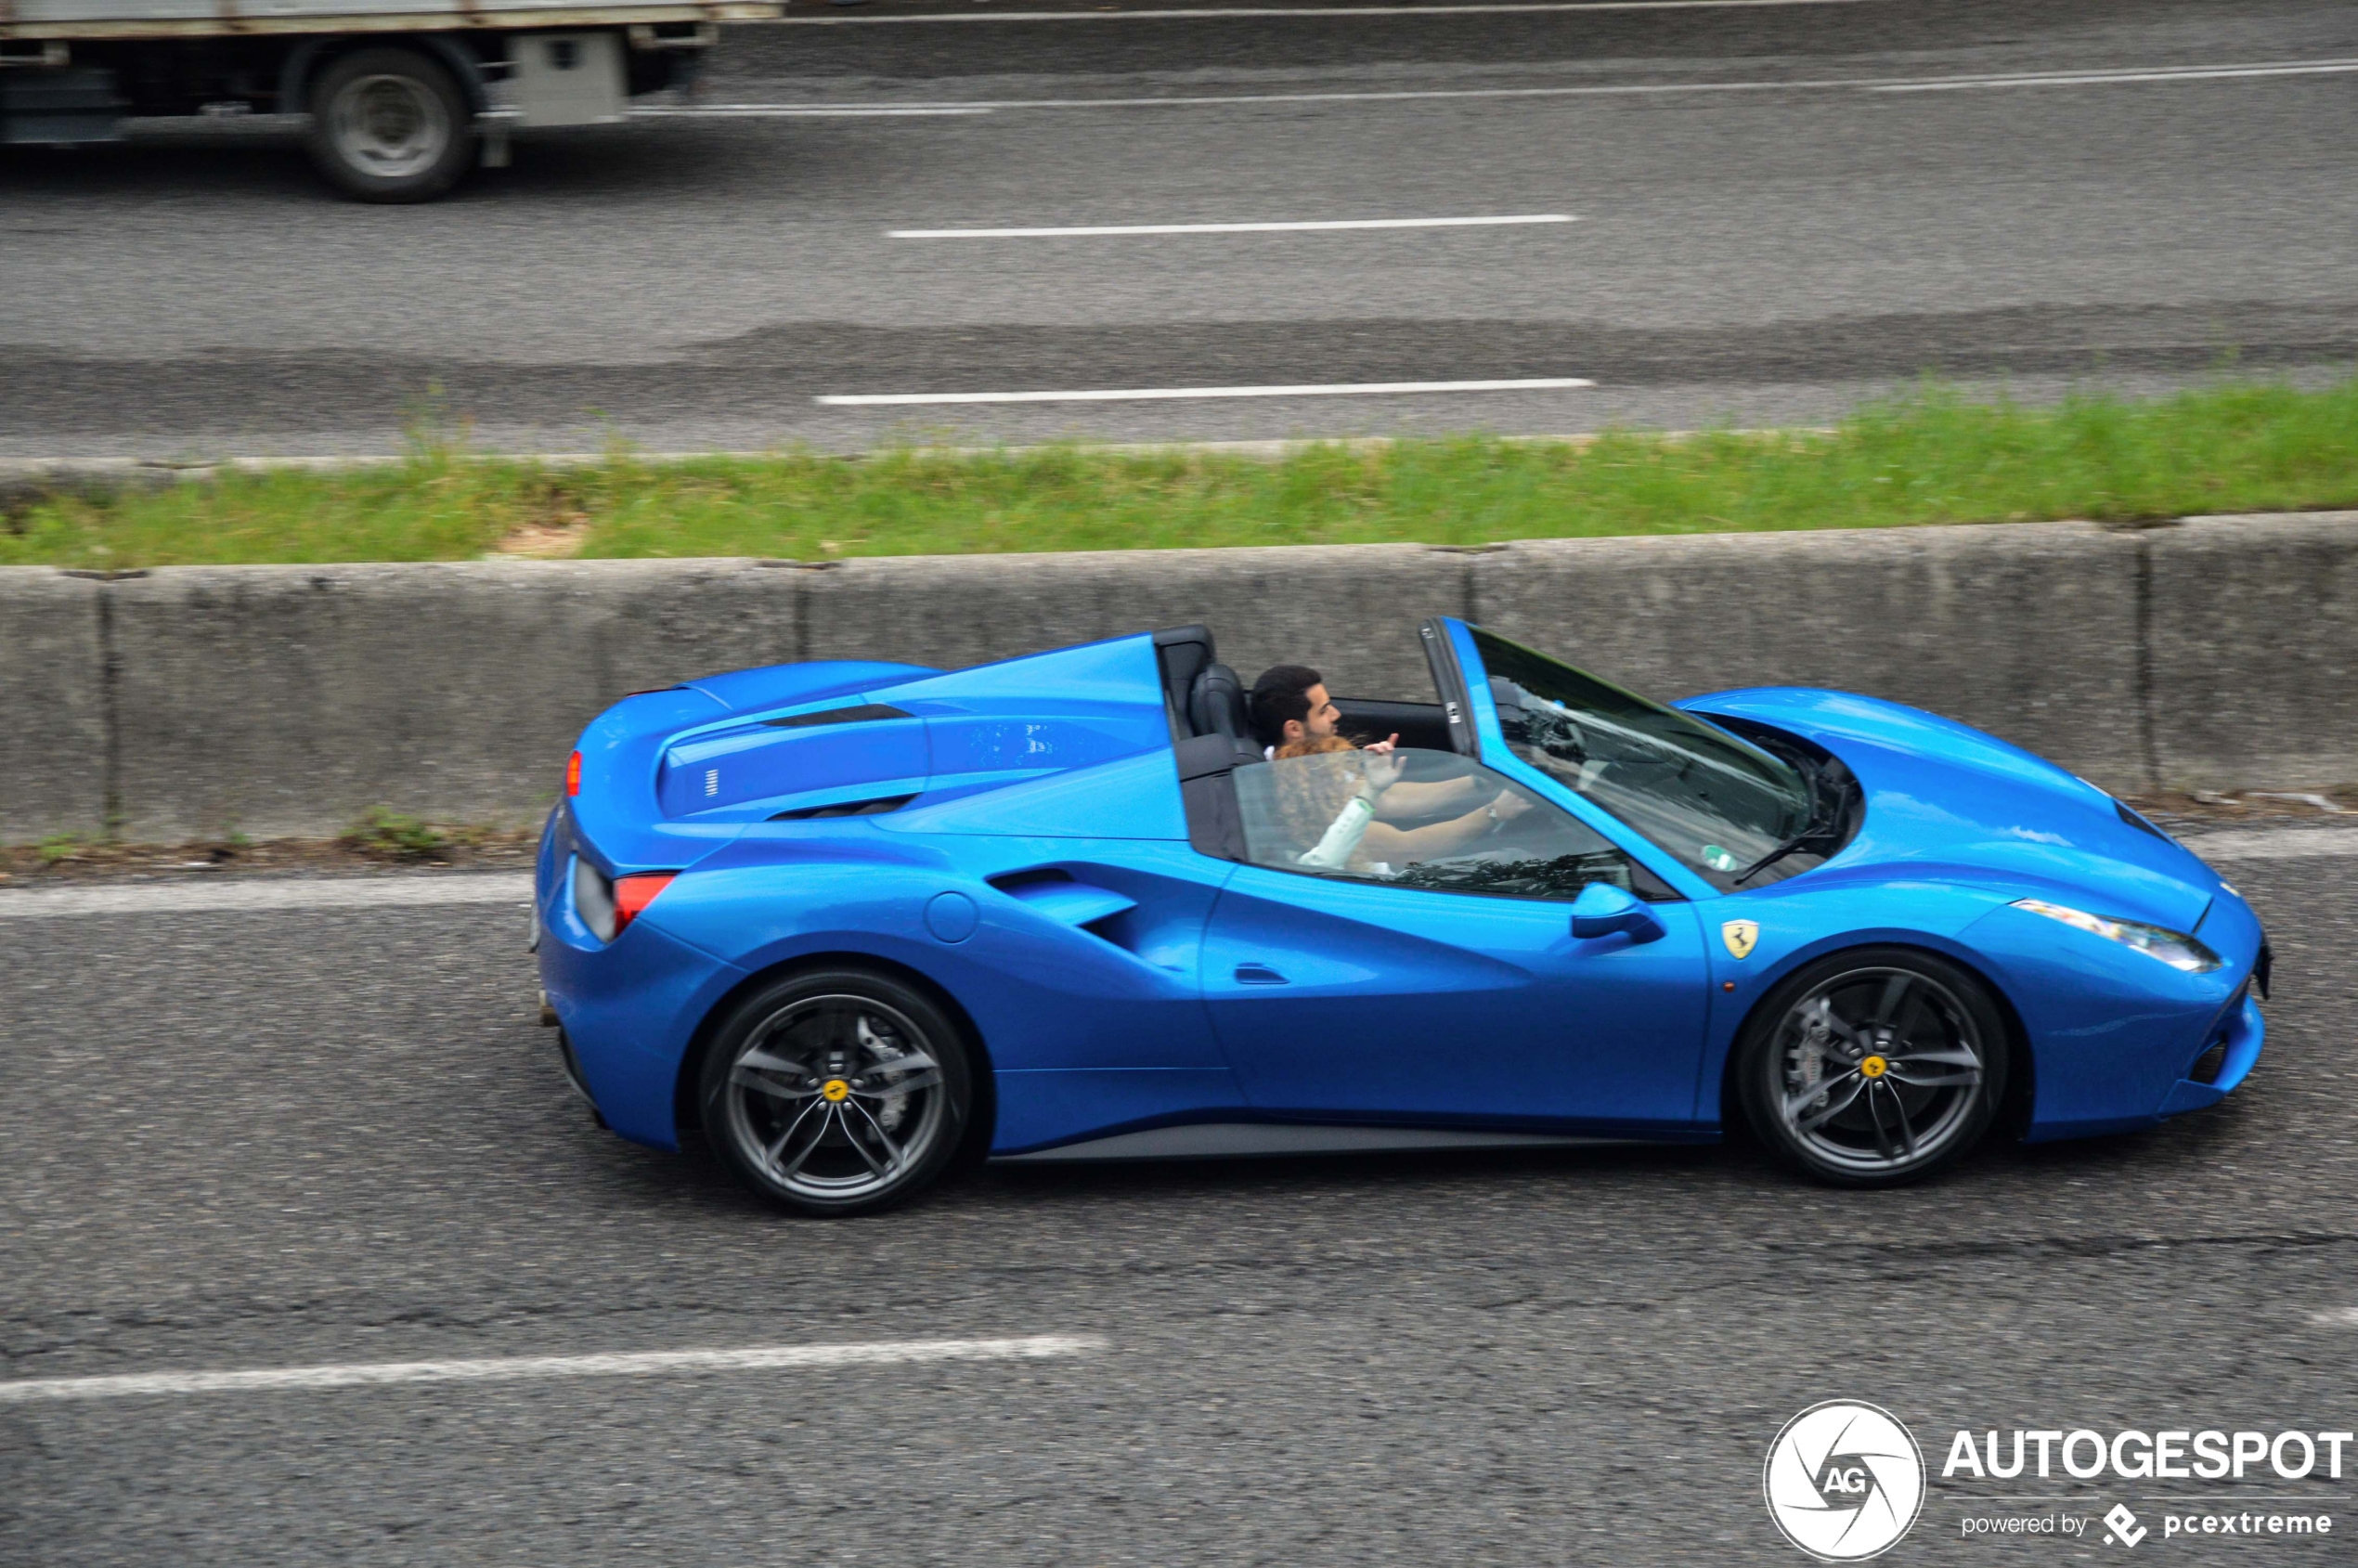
(1740, 935)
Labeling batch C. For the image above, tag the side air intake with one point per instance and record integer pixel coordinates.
(869, 808)
(1062, 898)
(865, 713)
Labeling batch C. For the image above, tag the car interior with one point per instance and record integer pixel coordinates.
(1211, 734)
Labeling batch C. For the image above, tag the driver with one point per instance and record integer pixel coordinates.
(1289, 708)
(1337, 801)
(1290, 703)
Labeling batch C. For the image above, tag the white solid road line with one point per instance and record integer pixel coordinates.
(1151, 393)
(1313, 228)
(1210, 14)
(323, 892)
(2340, 1317)
(425, 891)
(2254, 70)
(370, 1374)
(2283, 844)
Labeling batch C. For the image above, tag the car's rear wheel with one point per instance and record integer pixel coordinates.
(838, 1092)
(1873, 1067)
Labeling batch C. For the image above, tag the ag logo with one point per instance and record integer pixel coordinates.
(1741, 937)
(1843, 1481)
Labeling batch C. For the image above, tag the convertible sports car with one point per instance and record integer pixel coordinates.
(859, 921)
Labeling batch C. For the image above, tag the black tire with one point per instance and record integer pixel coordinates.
(1907, 1053)
(801, 1097)
(391, 125)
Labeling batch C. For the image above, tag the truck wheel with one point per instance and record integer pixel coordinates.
(391, 126)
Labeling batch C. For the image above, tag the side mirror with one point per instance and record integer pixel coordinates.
(1602, 909)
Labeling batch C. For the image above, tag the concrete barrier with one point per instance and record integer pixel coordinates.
(53, 706)
(2255, 651)
(285, 701)
(2027, 630)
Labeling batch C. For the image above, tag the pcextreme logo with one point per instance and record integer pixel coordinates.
(1844, 1481)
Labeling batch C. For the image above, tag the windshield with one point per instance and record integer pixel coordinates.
(1716, 802)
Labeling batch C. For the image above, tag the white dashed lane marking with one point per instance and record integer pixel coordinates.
(378, 1373)
(804, 110)
(1325, 226)
(2107, 78)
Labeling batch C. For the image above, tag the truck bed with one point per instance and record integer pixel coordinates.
(194, 19)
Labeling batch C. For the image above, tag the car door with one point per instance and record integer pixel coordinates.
(1428, 972)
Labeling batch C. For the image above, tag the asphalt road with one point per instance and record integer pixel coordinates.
(1763, 233)
(282, 1139)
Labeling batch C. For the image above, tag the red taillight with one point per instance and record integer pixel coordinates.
(632, 894)
(573, 774)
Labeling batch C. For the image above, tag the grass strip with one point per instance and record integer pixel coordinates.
(1929, 457)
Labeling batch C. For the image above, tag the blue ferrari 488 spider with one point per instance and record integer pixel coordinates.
(859, 921)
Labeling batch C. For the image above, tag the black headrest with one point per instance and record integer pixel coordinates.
(1216, 704)
(1204, 757)
(1183, 650)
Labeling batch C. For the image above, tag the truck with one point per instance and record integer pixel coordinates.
(400, 98)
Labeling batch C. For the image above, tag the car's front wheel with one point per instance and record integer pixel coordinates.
(838, 1092)
(1874, 1067)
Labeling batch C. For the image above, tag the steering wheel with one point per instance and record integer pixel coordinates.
(1555, 733)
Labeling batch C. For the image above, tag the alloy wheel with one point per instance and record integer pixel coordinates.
(836, 1097)
(1878, 1071)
